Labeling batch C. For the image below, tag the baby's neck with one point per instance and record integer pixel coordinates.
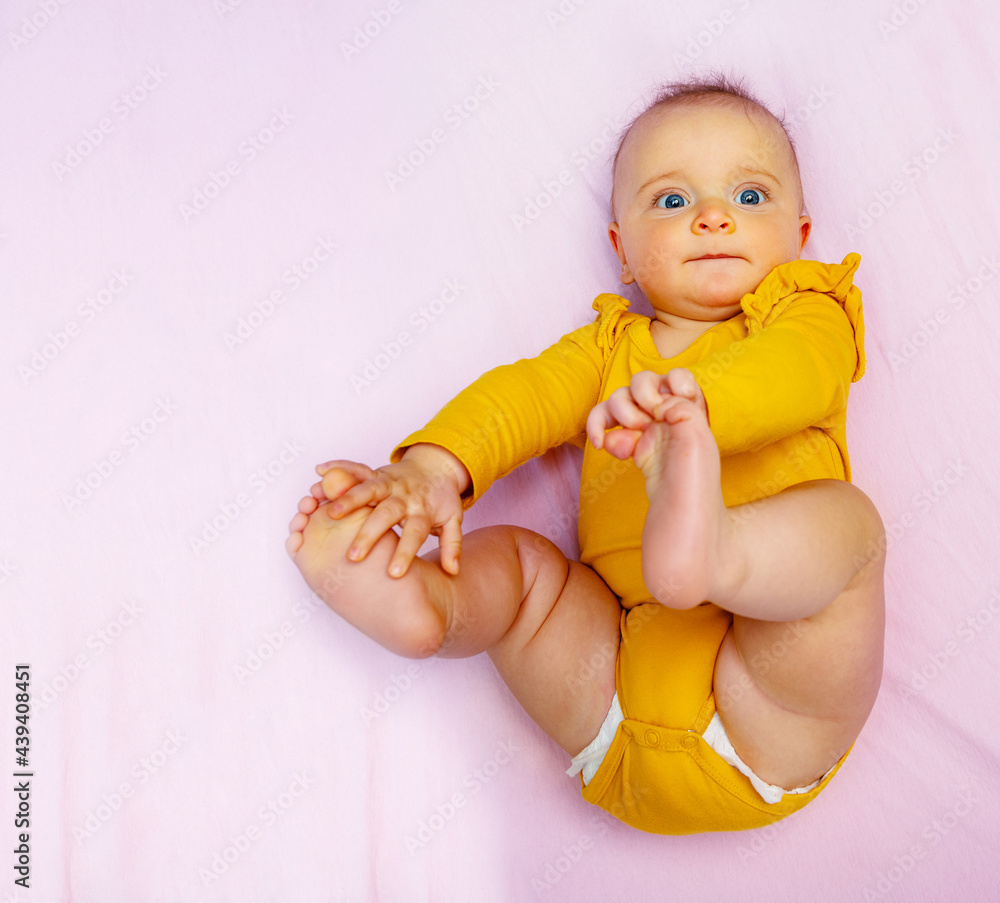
(672, 334)
(684, 324)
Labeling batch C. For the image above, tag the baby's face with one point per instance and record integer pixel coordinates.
(696, 180)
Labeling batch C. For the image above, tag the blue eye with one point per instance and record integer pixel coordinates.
(751, 196)
(671, 201)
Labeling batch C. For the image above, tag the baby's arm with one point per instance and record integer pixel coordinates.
(508, 415)
(792, 374)
(515, 412)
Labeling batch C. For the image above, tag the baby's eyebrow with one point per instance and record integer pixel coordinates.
(752, 171)
(666, 175)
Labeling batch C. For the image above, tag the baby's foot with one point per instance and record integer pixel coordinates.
(687, 539)
(398, 613)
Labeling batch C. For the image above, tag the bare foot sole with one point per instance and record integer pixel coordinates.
(398, 613)
(687, 536)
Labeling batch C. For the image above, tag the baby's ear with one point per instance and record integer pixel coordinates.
(805, 227)
(614, 233)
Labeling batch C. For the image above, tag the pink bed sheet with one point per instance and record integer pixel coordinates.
(240, 238)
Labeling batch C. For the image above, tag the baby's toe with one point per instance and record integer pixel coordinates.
(308, 504)
(336, 482)
(682, 382)
(676, 409)
(298, 523)
(294, 543)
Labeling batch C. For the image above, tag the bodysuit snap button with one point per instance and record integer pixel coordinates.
(652, 738)
(689, 741)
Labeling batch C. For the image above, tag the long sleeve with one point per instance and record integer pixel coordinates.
(795, 367)
(517, 411)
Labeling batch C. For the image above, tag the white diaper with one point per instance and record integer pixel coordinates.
(589, 760)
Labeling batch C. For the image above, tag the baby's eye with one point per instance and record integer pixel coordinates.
(671, 201)
(751, 196)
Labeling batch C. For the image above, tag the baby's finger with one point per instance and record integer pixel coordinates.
(416, 531)
(370, 493)
(450, 543)
(379, 522)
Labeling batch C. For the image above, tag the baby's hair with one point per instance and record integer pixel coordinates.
(714, 89)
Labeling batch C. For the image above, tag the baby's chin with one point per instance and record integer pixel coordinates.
(720, 298)
(712, 293)
(713, 308)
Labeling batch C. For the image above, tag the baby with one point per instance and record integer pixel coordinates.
(713, 656)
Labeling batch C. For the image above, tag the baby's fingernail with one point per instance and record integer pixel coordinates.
(352, 552)
(396, 570)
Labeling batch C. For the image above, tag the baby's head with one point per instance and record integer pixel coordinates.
(705, 170)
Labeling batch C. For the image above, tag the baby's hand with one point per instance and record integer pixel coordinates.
(645, 400)
(419, 493)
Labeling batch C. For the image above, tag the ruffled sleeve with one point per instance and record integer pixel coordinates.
(786, 283)
(612, 319)
(517, 411)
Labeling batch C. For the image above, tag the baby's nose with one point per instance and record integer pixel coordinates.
(713, 217)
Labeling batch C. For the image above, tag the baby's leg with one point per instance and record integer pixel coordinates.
(798, 673)
(778, 559)
(543, 619)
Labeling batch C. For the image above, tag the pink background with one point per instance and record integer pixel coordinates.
(193, 707)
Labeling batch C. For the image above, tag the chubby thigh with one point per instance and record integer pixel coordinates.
(559, 655)
(794, 695)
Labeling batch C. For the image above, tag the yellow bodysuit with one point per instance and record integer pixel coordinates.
(776, 380)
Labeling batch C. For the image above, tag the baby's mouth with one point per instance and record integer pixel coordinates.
(716, 257)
